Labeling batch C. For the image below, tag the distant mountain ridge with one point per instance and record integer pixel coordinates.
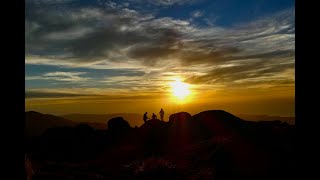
(37, 123)
(248, 117)
(134, 119)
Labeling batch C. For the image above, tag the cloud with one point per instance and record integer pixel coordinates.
(113, 36)
(31, 94)
(256, 73)
(197, 14)
(60, 76)
(123, 34)
(166, 2)
(85, 94)
(86, 35)
(50, 1)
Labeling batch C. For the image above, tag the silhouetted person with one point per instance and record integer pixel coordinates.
(154, 117)
(161, 114)
(145, 117)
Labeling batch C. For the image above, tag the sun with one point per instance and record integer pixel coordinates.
(179, 89)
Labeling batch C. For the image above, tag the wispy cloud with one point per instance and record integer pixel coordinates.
(166, 2)
(60, 76)
(197, 14)
(31, 94)
(92, 93)
(115, 36)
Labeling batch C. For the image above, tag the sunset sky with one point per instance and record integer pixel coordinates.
(104, 56)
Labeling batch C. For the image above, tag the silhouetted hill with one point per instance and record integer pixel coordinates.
(132, 118)
(118, 124)
(250, 145)
(37, 123)
(153, 123)
(68, 143)
(153, 136)
(218, 122)
(179, 118)
(184, 131)
(212, 144)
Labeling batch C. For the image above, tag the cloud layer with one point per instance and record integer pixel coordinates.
(111, 35)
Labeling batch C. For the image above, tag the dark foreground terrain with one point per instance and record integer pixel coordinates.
(209, 145)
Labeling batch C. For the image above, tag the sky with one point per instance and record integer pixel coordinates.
(105, 56)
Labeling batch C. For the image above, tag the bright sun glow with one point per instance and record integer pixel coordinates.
(180, 89)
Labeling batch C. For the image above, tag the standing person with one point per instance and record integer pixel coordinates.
(161, 114)
(145, 117)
